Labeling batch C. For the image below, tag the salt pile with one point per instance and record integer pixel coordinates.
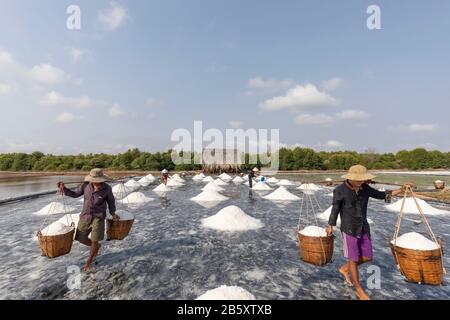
(209, 195)
(227, 293)
(120, 190)
(273, 180)
(232, 218)
(178, 178)
(145, 182)
(150, 177)
(415, 241)
(285, 182)
(134, 198)
(55, 208)
(220, 182)
(68, 219)
(197, 177)
(254, 182)
(124, 215)
(161, 188)
(281, 194)
(225, 177)
(213, 186)
(238, 179)
(261, 186)
(410, 207)
(56, 228)
(174, 183)
(309, 186)
(208, 179)
(313, 231)
(132, 184)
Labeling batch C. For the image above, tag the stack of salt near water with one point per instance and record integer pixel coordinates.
(132, 184)
(174, 183)
(285, 182)
(135, 198)
(227, 293)
(281, 194)
(208, 179)
(261, 186)
(273, 180)
(55, 208)
(232, 218)
(213, 186)
(120, 191)
(225, 177)
(238, 180)
(220, 182)
(162, 188)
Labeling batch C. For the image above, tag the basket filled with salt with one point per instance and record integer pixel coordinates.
(316, 247)
(56, 239)
(119, 229)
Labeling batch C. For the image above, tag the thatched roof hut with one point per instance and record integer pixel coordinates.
(222, 160)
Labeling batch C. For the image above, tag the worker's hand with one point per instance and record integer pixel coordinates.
(407, 185)
(115, 217)
(60, 186)
(329, 230)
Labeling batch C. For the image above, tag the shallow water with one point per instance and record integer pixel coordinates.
(169, 255)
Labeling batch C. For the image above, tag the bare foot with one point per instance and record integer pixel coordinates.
(361, 294)
(346, 275)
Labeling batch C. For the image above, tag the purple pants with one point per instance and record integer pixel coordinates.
(356, 248)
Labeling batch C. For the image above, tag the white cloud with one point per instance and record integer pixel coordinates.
(418, 128)
(260, 83)
(300, 98)
(113, 17)
(235, 124)
(353, 115)
(48, 74)
(115, 111)
(54, 98)
(76, 54)
(314, 119)
(152, 102)
(334, 144)
(66, 117)
(5, 88)
(6, 58)
(332, 84)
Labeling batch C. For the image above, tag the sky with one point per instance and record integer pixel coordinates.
(138, 70)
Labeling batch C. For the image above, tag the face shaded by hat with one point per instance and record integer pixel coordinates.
(96, 176)
(358, 173)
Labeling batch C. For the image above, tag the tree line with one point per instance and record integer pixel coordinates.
(289, 159)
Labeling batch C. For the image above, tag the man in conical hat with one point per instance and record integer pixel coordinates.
(350, 201)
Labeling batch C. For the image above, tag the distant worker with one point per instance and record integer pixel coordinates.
(165, 176)
(97, 195)
(252, 174)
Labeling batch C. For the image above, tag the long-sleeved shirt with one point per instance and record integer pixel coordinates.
(352, 207)
(251, 175)
(95, 202)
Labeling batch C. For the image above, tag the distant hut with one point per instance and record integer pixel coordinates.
(221, 160)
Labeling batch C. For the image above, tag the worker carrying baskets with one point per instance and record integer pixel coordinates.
(98, 196)
(350, 201)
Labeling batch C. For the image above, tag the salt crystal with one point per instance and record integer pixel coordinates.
(68, 219)
(285, 182)
(174, 183)
(213, 186)
(150, 177)
(273, 180)
(261, 186)
(209, 195)
(135, 197)
(238, 179)
(313, 231)
(55, 208)
(162, 188)
(133, 184)
(197, 177)
(220, 182)
(411, 207)
(227, 293)
(56, 228)
(232, 218)
(145, 181)
(415, 241)
(309, 186)
(225, 177)
(120, 190)
(281, 194)
(208, 179)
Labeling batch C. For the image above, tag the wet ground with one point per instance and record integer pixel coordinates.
(168, 254)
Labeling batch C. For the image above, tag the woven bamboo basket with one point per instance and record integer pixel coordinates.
(118, 229)
(316, 250)
(56, 246)
(419, 266)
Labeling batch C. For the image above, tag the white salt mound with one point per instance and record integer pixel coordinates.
(213, 186)
(208, 179)
(209, 195)
(232, 218)
(55, 208)
(197, 177)
(273, 180)
(238, 179)
(227, 293)
(150, 177)
(202, 175)
(248, 184)
(410, 207)
(415, 241)
(69, 218)
(309, 186)
(225, 177)
(281, 194)
(134, 198)
(132, 184)
(161, 188)
(313, 231)
(285, 182)
(174, 183)
(120, 190)
(220, 182)
(124, 215)
(261, 186)
(56, 228)
(145, 181)
(178, 178)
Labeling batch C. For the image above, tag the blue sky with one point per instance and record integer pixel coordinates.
(137, 70)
